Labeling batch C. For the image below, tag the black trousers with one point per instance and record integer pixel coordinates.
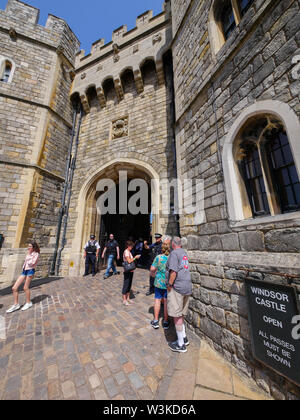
(128, 277)
(90, 260)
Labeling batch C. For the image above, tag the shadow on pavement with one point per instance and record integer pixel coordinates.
(170, 334)
(34, 283)
(39, 299)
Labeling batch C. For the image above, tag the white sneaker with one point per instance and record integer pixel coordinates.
(13, 309)
(26, 306)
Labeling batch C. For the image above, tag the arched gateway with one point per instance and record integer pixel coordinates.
(123, 225)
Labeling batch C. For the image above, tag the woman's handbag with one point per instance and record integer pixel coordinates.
(129, 266)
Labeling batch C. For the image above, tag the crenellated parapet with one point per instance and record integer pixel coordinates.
(22, 20)
(128, 50)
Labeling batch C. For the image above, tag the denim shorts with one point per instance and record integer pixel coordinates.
(161, 293)
(28, 273)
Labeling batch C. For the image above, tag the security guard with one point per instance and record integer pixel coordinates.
(155, 249)
(91, 254)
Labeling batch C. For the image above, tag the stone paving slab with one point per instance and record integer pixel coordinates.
(80, 342)
(218, 380)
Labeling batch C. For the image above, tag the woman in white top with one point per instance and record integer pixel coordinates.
(27, 275)
(128, 276)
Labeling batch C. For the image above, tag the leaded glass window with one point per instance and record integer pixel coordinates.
(254, 181)
(228, 21)
(267, 167)
(245, 6)
(283, 169)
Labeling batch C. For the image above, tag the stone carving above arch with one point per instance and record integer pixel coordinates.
(157, 38)
(120, 128)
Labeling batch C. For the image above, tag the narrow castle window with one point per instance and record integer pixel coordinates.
(254, 181)
(227, 20)
(6, 72)
(224, 17)
(269, 179)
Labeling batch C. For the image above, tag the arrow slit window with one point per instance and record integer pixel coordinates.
(6, 70)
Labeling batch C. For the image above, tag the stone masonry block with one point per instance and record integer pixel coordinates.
(232, 322)
(204, 296)
(217, 315)
(196, 278)
(230, 242)
(251, 241)
(211, 282)
(221, 300)
(283, 240)
(231, 286)
(239, 305)
(211, 329)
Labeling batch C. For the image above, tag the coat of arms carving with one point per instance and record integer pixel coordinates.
(120, 128)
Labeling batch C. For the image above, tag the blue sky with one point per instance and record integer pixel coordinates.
(94, 19)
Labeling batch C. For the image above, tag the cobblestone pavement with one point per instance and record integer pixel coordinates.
(79, 342)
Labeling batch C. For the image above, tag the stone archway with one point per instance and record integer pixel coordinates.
(88, 219)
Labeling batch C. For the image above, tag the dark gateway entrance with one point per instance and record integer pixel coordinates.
(126, 226)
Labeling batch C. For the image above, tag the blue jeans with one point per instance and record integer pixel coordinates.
(111, 265)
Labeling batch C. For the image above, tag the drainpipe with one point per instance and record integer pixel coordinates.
(64, 194)
(169, 76)
(66, 214)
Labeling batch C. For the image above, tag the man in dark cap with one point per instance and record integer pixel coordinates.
(91, 254)
(155, 249)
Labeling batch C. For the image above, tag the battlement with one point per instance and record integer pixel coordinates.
(18, 10)
(23, 19)
(120, 36)
(22, 11)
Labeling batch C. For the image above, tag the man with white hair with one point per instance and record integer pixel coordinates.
(179, 292)
(167, 239)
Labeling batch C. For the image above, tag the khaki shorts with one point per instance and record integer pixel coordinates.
(178, 304)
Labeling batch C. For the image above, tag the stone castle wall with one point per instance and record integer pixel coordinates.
(256, 69)
(36, 120)
(212, 90)
(142, 101)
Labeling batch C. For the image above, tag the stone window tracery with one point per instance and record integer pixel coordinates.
(269, 181)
